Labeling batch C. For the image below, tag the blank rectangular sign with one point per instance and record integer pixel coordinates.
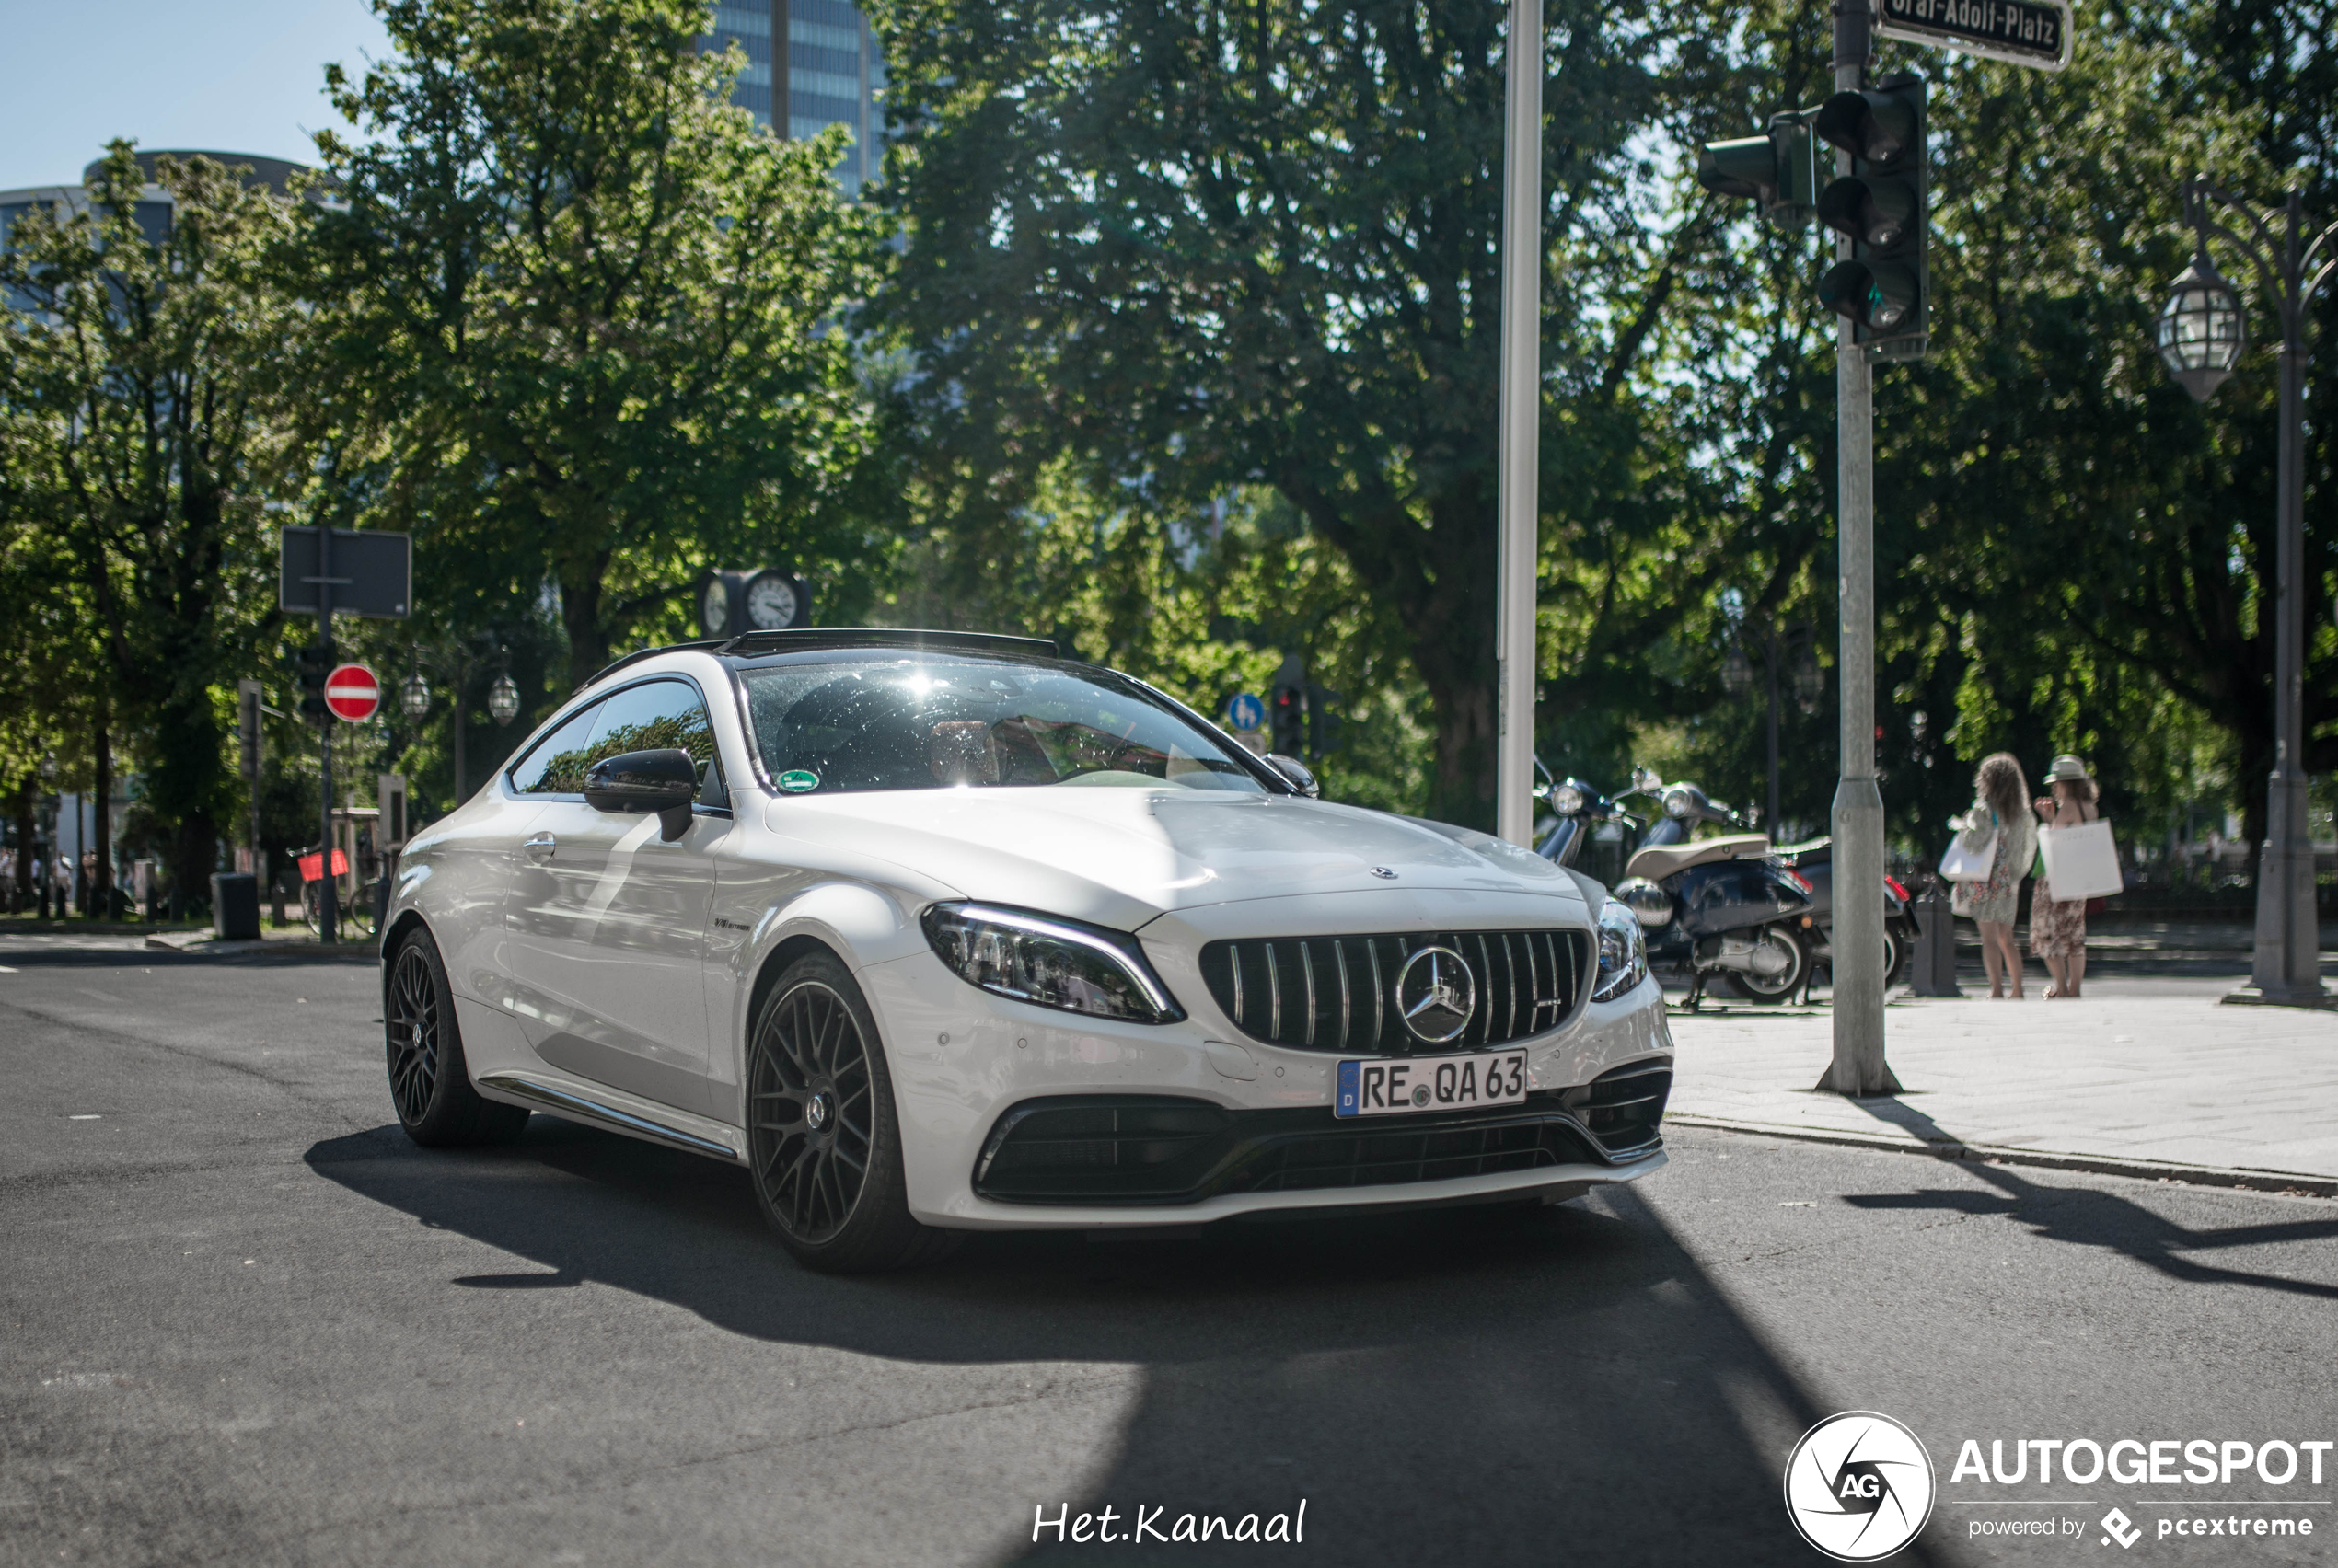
(373, 573)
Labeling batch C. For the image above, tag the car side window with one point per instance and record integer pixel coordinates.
(551, 766)
(652, 717)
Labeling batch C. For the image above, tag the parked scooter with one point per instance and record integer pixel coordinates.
(1814, 860)
(1722, 908)
(1577, 811)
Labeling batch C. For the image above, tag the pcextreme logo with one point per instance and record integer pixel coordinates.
(1858, 1486)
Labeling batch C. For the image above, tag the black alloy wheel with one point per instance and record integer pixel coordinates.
(1769, 990)
(430, 1083)
(824, 1145)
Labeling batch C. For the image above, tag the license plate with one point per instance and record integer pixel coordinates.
(1433, 1083)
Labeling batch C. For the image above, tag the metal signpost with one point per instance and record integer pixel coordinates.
(1521, 407)
(361, 572)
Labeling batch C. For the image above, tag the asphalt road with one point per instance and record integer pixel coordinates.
(242, 1320)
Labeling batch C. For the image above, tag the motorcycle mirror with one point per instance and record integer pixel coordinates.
(1645, 778)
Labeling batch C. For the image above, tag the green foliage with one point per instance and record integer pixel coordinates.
(581, 321)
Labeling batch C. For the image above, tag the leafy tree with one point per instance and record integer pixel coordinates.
(143, 366)
(581, 320)
(1198, 247)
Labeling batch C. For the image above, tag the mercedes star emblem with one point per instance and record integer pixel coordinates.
(1436, 995)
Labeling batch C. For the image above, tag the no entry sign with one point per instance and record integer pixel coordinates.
(353, 693)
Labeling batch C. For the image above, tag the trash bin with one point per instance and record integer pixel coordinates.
(235, 906)
(1935, 969)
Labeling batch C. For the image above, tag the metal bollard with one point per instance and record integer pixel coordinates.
(1934, 972)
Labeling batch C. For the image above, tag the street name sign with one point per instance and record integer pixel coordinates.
(353, 693)
(372, 572)
(2020, 33)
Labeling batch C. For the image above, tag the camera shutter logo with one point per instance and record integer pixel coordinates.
(1436, 995)
(1858, 1486)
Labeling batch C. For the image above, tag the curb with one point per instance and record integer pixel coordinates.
(2292, 1183)
(301, 948)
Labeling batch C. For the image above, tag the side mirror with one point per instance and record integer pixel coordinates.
(1295, 774)
(665, 782)
(1645, 778)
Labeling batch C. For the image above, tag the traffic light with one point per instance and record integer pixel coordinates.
(1879, 207)
(315, 662)
(1287, 719)
(1323, 721)
(1773, 168)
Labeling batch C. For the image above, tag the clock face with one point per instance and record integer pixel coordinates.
(770, 604)
(714, 610)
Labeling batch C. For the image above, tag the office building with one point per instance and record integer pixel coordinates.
(834, 74)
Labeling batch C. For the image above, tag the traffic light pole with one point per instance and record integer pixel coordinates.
(327, 915)
(1859, 1068)
(1522, 404)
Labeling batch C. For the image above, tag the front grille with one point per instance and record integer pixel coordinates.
(1624, 1107)
(1166, 1149)
(1338, 993)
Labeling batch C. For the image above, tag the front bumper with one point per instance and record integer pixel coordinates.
(1252, 1125)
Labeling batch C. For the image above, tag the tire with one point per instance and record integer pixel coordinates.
(430, 1083)
(823, 1141)
(1769, 993)
(1899, 955)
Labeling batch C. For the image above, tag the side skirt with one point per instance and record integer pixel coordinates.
(521, 1090)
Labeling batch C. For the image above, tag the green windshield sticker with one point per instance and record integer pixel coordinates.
(795, 781)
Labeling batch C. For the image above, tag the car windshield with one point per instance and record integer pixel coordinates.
(928, 721)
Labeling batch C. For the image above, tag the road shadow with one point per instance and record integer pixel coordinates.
(2093, 1216)
(1468, 1386)
(353, 954)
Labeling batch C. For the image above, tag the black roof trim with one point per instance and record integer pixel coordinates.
(710, 645)
(753, 642)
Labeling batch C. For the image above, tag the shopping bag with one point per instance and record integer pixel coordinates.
(1961, 864)
(2080, 862)
(312, 866)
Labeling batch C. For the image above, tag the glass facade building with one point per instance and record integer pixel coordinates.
(833, 74)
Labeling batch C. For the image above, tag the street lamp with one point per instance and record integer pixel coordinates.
(2200, 341)
(413, 696)
(502, 700)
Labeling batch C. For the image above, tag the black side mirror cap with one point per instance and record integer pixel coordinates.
(663, 781)
(1295, 772)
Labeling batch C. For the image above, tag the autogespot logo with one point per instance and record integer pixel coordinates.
(1858, 1486)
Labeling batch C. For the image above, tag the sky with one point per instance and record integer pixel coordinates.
(197, 75)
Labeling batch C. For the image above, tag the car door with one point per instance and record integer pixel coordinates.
(607, 921)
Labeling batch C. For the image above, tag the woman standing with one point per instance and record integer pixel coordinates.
(2058, 926)
(1999, 811)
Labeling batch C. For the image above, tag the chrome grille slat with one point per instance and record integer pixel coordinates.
(1274, 996)
(1307, 970)
(1524, 986)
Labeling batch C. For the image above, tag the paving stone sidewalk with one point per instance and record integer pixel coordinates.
(2144, 1075)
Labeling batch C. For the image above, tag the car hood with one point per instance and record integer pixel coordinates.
(1124, 856)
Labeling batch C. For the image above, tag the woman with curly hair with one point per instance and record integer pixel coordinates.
(2000, 811)
(2058, 926)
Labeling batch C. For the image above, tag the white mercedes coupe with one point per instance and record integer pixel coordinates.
(937, 932)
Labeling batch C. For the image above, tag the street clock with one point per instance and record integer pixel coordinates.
(733, 603)
(714, 605)
(771, 602)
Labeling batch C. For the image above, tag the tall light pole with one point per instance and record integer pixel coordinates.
(2200, 335)
(1521, 408)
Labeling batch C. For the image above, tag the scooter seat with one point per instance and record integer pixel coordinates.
(1660, 861)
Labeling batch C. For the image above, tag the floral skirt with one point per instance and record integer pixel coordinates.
(2057, 927)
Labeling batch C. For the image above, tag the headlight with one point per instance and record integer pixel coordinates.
(1623, 959)
(1566, 799)
(1677, 803)
(1050, 961)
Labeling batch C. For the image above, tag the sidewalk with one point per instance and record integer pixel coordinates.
(2146, 1076)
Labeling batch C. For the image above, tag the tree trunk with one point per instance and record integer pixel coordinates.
(26, 828)
(588, 641)
(101, 836)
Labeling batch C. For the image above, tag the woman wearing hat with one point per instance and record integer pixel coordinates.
(2059, 926)
(1998, 789)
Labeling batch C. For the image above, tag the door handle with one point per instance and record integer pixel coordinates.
(539, 847)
